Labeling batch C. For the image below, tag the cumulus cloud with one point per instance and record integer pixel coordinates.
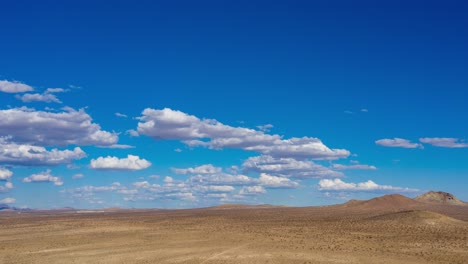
(171, 124)
(445, 142)
(70, 127)
(252, 190)
(398, 143)
(368, 186)
(48, 96)
(269, 181)
(353, 167)
(288, 167)
(5, 174)
(222, 179)
(44, 176)
(203, 169)
(36, 97)
(14, 87)
(8, 200)
(5, 188)
(216, 189)
(131, 163)
(28, 155)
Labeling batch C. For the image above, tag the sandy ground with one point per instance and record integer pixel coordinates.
(335, 234)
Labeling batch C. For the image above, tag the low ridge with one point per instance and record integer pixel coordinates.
(391, 201)
(439, 198)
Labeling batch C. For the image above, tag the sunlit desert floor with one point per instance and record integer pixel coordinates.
(236, 234)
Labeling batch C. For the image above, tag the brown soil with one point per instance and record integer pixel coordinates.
(389, 229)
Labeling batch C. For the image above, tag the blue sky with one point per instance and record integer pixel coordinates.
(180, 104)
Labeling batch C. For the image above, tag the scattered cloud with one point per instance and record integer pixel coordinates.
(168, 124)
(364, 110)
(44, 97)
(445, 142)
(252, 190)
(265, 128)
(132, 133)
(222, 179)
(56, 90)
(348, 112)
(131, 163)
(44, 176)
(397, 143)
(119, 146)
(203, 169)
(28, 155)
(269, 181)
(353, 167)
(70, 127)
(8, 200)
(289, 167)
(14, 87)
(368, 186)
(47, 97)
(8, 186)
(78, 176)
(5, 174)
(120, 115)
(178, 150)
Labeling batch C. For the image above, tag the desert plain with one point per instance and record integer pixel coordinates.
(387, 229)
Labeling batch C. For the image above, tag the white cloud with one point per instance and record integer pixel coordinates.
(132, 133)
(78, 176)
(445, 142)
(203, 169)
(121, 115)
(44, 176)
(216, 189)
(143, 185)
(56, 90)
(27, 155)
(364, 110)
(348, 112)
(130, 163)
(48, 96)
(181, 196)
(5, 174)
(397, 143)
(8, 200)
(178, 150)
(269, 181)
(353, 167)
(70, 127)
(265, 128)
(217, 195)
(289, 167)
(6, 187)
(252, 190)
(119, 146)
(14, 87)
(222, 179)
(36, 97)
(339, 185)
(172, 124)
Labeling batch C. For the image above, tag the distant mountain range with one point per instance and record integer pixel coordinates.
(390, 201)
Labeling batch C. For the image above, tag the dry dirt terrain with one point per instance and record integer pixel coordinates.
(389, 229)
